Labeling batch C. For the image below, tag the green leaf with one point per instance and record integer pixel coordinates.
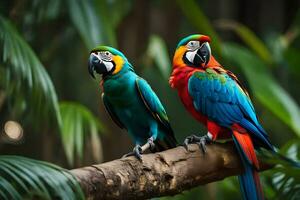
(264, 86)
(8, 191)
(285, 175)
(34, 88)
(96, 144)
(24, 178)
(158, 52)
(292, 55)
(195, 15)
(77, 123)
(249, 38)
(41, 10)
(106, 18)
(86, 21)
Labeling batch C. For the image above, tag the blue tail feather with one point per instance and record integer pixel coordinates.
(248, 184)
(257, 133)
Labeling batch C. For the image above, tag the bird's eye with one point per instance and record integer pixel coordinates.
(105, 55)
(193, 44)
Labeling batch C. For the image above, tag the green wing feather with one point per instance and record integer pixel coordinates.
(111, 112)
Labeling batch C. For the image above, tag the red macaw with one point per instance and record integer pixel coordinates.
(216, 98)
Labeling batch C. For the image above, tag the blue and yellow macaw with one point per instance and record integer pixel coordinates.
(131, 102)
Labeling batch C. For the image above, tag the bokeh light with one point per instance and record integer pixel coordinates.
(13, 130)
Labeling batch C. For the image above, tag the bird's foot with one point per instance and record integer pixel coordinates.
(137, 152)
(150, 141)
(200, 140)
(189, 140)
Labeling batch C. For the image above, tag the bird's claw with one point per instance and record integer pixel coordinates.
(200, 140)
(137, 151)
(151, 143)
(188, 140)
(202, 143)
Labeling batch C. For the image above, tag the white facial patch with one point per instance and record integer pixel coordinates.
(192, 45)
(108, 65)
(105, 55)
(190, 55)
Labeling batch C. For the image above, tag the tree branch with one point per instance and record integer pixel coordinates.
(160, 174)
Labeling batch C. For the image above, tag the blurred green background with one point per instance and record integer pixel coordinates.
(51, 110)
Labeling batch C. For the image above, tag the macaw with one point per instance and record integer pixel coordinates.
(130, 101)
(215, 97)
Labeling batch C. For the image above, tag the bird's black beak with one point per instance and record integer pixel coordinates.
(96, 64)
(203, 55)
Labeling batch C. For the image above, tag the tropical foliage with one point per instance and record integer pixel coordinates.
(24, 178)
(34, 92)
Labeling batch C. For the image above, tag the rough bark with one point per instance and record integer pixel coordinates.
(160, 174)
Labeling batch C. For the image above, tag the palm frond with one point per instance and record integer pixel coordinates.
(35, 92)
(24, 178)
(26, 80)
(285, 179)
(93, 20)
(77, 122)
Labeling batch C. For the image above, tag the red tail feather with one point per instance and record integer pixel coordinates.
(247, 147)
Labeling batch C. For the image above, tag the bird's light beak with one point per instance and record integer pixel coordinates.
(96, 64)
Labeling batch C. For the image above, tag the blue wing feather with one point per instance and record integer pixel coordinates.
(222, 100)
(154, 105)
(150, 99)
